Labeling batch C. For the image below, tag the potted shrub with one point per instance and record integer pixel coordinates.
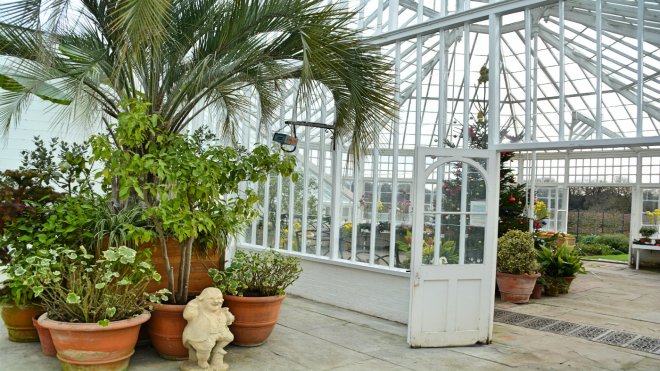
(95, 306)
(646, 233)
(21, 191)
(559, 264)
(188, 188)
(253, 287)
(516, 266)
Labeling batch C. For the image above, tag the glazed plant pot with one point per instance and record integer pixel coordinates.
(166, 331)
(255, 317)
(89, 346)
(47, 346)
(18, 321)
(516, 288)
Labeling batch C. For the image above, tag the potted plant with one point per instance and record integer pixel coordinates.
(646, 233)
(559, 264)
(95, 305)
(253, 287)
(516, 266)
(188, 188)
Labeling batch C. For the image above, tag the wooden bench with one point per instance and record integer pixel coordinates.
(642, 247)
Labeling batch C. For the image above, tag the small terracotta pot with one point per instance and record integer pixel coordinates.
(569, 280)
(47, 346)
(255, 318)
(88, 346)
(166, 331)
(537, 292)
(516, 288)
(18, 321)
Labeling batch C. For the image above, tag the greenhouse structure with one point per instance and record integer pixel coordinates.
(567, 90)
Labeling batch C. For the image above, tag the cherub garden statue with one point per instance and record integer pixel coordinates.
(207, 332)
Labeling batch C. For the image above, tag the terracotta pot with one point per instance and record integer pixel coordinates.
(47, 346)
(18, 321)
(88, 346)
(516, 288)
(537, 292)
(200, 264)
(255, 318)
(570, 241)
(166, 329)
(564, 289)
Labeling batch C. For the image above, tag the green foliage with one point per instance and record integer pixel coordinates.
(618, 242)
(587, 239)
(264, 273)
(647, 231)
(192, 57)
(74, 286)
(188, 187)
(562, 261)
(553, 285)
(594, 249)
(516, 253)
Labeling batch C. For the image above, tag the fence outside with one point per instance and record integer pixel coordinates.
(598, 222)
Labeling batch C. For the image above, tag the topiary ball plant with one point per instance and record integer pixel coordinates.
(516, 253)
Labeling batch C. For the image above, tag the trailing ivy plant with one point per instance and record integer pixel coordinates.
(187, 187)
(264, 273)
(74, 286)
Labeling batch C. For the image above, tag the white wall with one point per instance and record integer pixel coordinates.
(381, 294)
(36, 120)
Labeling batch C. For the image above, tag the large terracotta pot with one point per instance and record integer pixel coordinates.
(537, 292)
(88, 346)
(47, 346)
(18, 321)
(516, 288)
(166, 331)
(255, 318)
(200, 264)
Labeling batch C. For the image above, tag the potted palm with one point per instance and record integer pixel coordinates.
(188, 189)
(559, 267)
(253, 287)
(516, 266)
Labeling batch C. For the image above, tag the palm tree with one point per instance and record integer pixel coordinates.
(191, 56)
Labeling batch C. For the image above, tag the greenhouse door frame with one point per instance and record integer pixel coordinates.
(452, 304)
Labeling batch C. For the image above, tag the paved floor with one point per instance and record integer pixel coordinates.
(312, 336)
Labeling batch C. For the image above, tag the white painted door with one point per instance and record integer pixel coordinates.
(453, 247)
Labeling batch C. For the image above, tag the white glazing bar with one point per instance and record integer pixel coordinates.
(336, 201)
(528, 75)
(356, 201)
(291, 217)
(305, 213)
(442, 120)
(535, 81)
(466, 85)
(374, 208)
(562, 72)
(494, 57)
(599, 69)
(418, 94)
(319, 204)
(532, 189)
(565, 192)
(393, 18)
(379, 18)
(640, 68)
(266, 206)
(395, 156)
(278, 212)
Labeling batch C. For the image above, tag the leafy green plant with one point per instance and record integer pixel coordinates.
(618, 242)
(188, 187)
(74, 286)
(647, 232)
(562, 261)
(264, 273)
(553, 285)
(516, 253)
(594, 249)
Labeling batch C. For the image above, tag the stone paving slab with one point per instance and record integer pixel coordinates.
(314, 336)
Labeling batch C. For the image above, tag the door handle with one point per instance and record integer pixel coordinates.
(416, 280)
